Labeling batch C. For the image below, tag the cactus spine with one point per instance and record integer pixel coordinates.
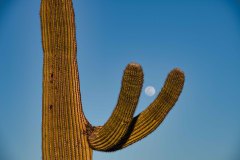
(66, 133)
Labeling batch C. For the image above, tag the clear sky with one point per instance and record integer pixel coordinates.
(202, 37)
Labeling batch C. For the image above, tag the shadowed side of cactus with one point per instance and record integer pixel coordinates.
(66, 133)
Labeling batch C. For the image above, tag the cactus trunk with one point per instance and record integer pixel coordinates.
(64, 125)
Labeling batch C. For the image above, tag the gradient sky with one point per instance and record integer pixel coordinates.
(201, 37)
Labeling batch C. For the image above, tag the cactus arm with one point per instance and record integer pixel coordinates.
(63, 122)
(107, 136)
(148, 120)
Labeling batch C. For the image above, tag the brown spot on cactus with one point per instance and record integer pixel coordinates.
(50, 107)
(66, 133)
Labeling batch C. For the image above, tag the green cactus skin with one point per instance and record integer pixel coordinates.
(66, 133)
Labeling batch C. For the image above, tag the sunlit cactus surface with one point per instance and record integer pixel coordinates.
(66, 133)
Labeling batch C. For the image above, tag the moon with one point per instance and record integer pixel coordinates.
(150, 91)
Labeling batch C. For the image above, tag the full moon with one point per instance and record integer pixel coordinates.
(150, 91)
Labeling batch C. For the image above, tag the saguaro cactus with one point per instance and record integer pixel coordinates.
(66, 133)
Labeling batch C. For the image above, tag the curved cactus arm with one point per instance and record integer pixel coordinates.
(107, 136)
(148, 120)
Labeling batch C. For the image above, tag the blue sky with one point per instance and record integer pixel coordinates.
(200, 37)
